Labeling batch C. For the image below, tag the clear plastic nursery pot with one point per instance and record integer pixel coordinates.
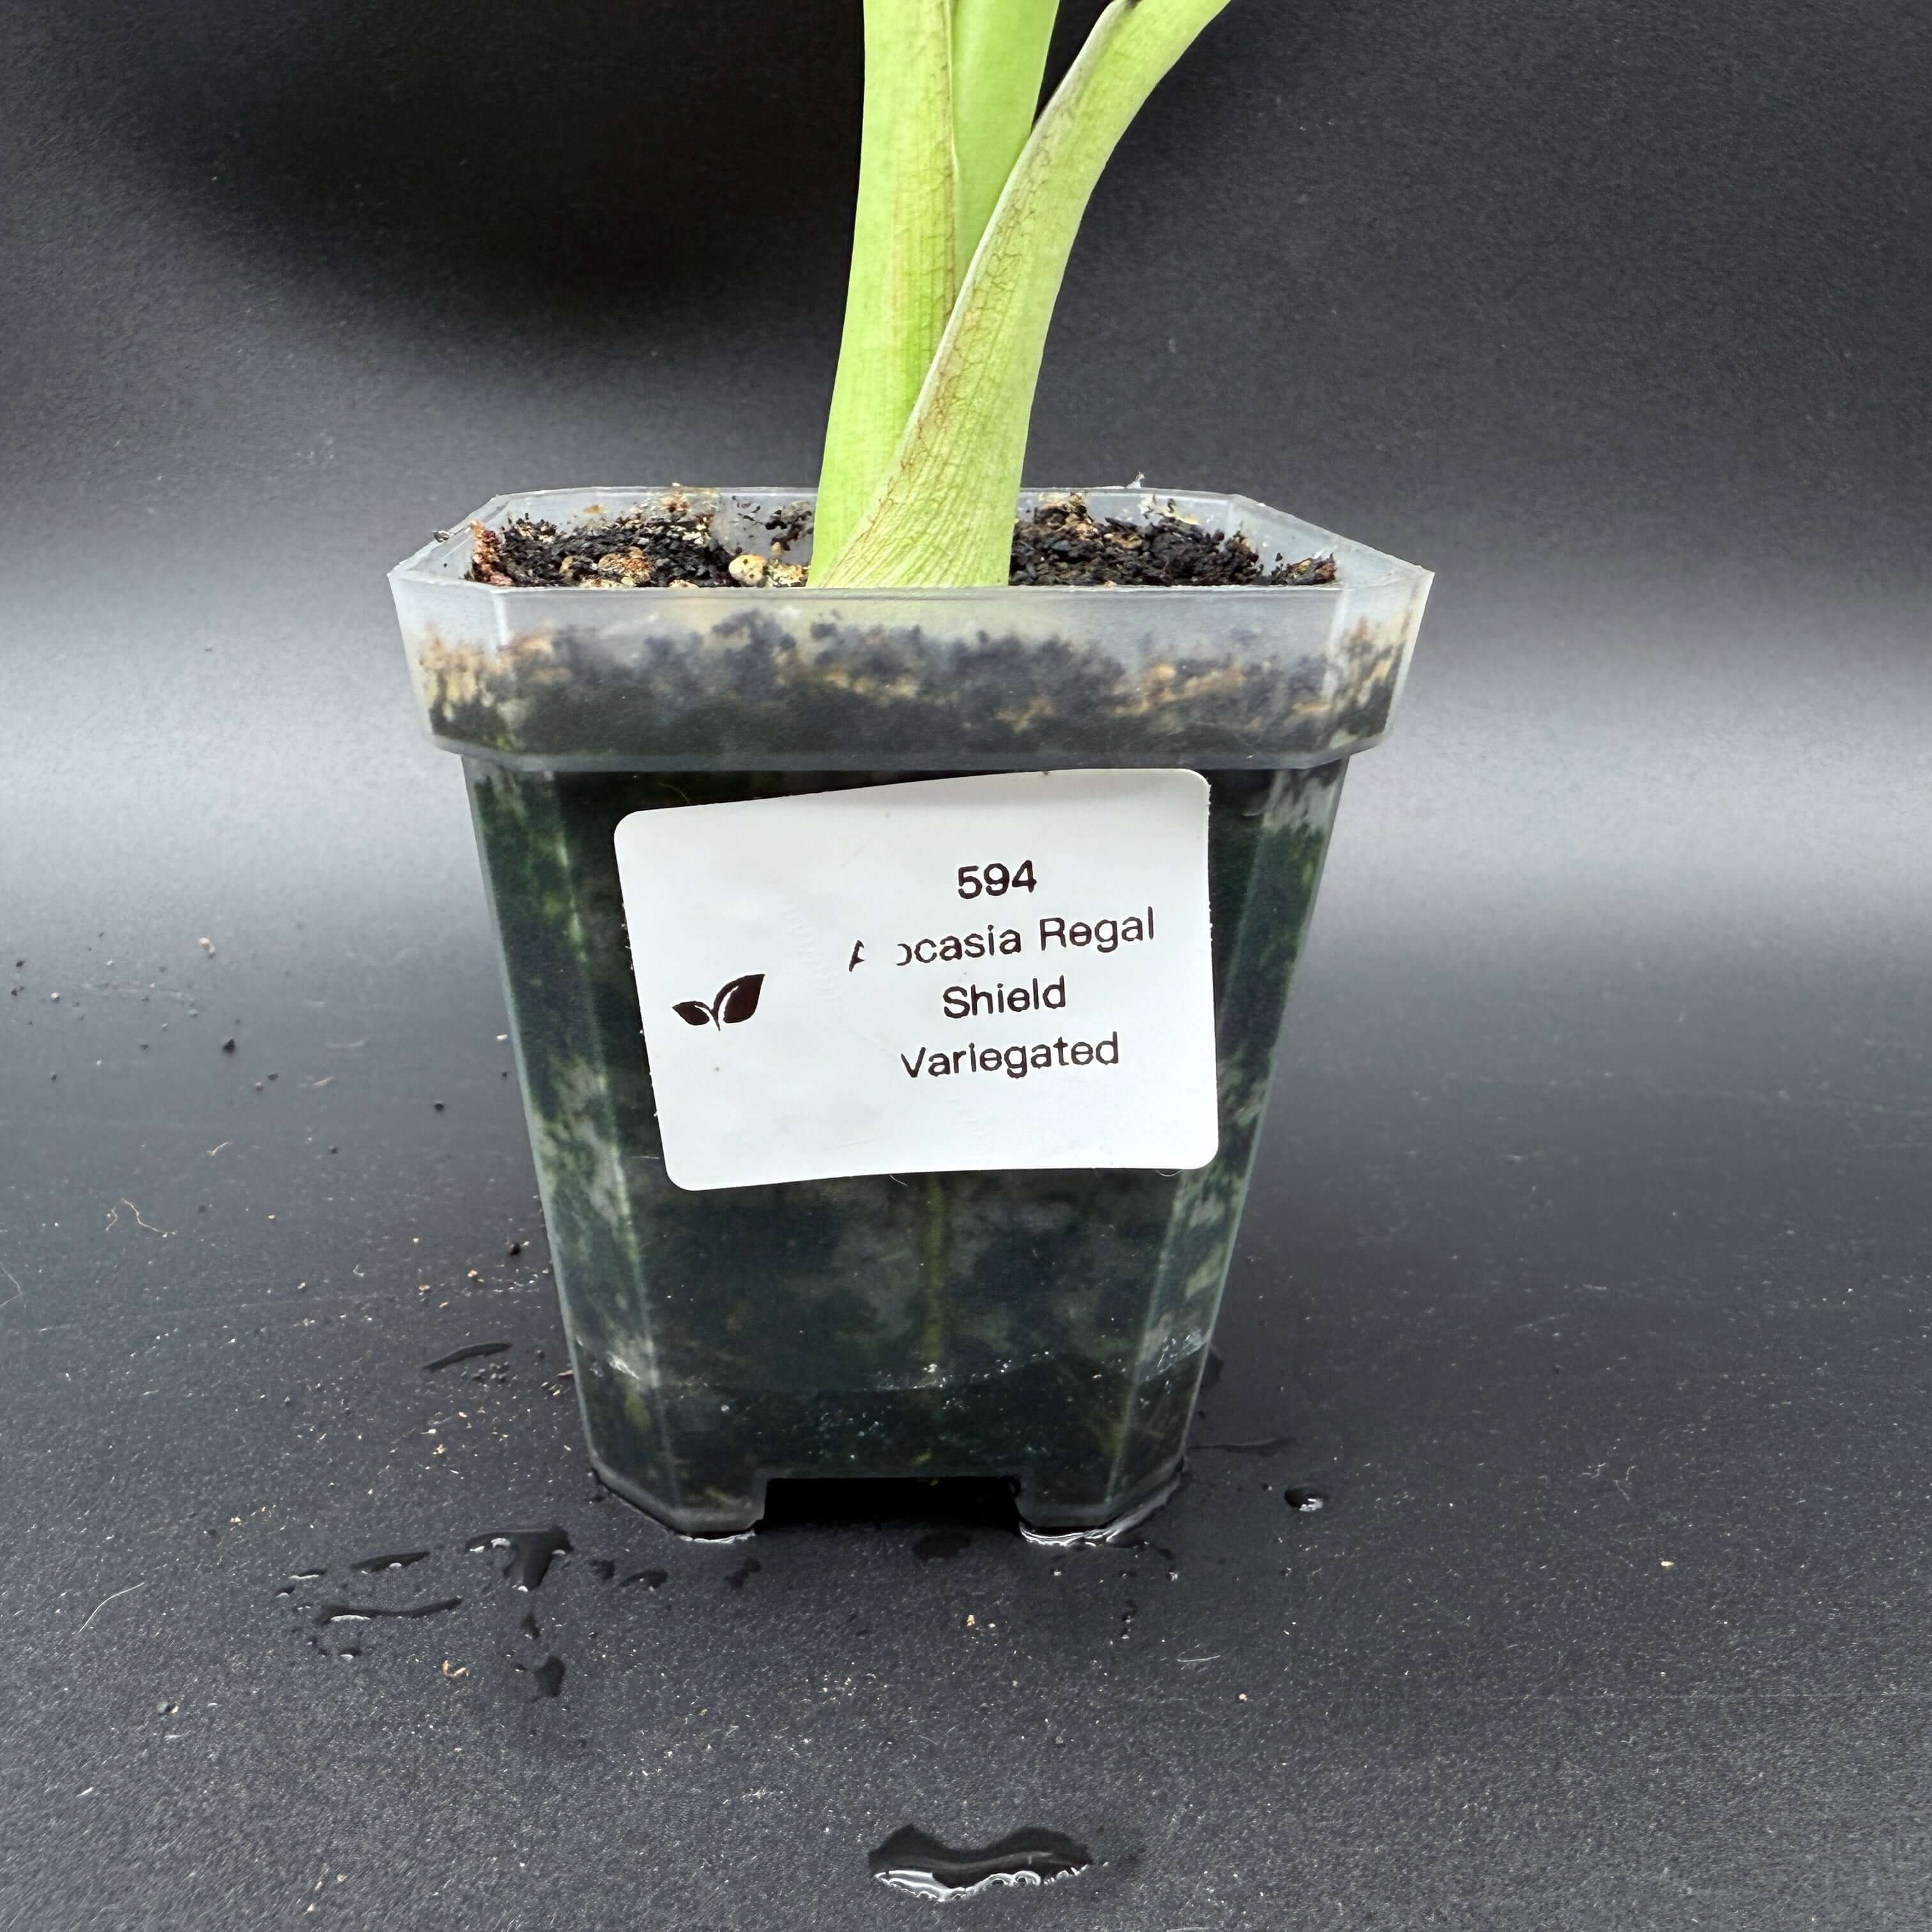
(1048, 1326)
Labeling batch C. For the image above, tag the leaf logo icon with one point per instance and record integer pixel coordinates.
(736, 1001)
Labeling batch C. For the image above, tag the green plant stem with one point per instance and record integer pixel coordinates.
(904, 267)
(943, 514)
(999, 57)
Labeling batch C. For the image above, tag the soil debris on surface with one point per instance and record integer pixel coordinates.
(1064, 544)
(672, 547)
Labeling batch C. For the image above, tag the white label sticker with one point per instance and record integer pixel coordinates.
(1001, 972)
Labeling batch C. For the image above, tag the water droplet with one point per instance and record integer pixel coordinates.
(1306, 1501)
(604, 1567)
(740, 1577)
(402, 1561)
(652, 1580)
(530, 1627)
(548, 1677)
(910, 1861)
(532, 1552)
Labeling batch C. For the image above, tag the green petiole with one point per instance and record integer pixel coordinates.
(999, 58)
(905, 254)
(936, 508)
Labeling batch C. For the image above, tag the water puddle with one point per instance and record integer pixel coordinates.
(1106, 1532)
(529, 1557)
(941, 1545)
(1266, 1445)
(911, 1861)
(475, 1351)
(356, 1613)
(532, 1552)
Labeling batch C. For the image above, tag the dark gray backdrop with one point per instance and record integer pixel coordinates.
(1588, 1254)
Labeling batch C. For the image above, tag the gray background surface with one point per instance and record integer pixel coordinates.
(1589, 1233)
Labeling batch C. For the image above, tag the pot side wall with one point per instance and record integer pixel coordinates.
(1049, 1327)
